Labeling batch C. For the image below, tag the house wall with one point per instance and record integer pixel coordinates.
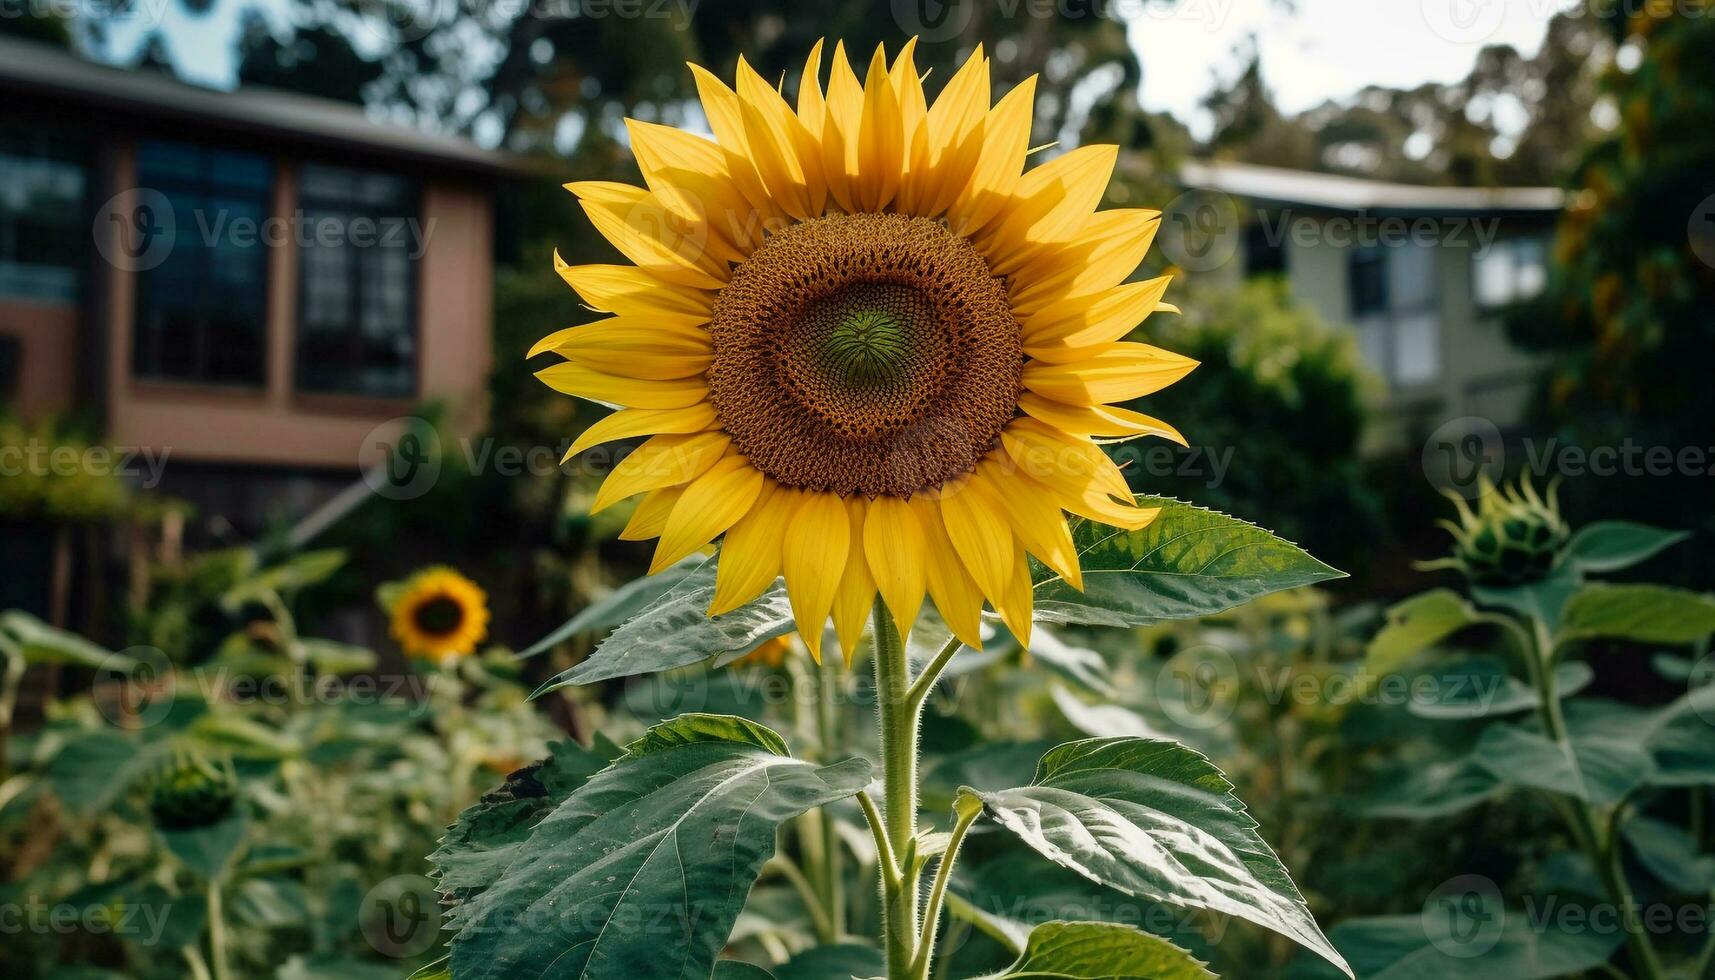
(46, 335)
(280, 427)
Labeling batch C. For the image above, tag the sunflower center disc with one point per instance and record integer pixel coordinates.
(869, 353)
(439, 616)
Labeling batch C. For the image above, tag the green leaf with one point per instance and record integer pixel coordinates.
(93, 770)
(1642, 613)
(1188, 562)
(1681, 738)
(1102, 720)
(332, 967)
(1102, 951)
(1438, 789)
(840, 960)
(675, 630)
(297, 572)
(619, 605)
(1609, 546)
(1079, 665)
(642, 870)
(1483, 942)
(1543, 600)
(208, 850)
(1671, 854)
(1156, 820)
(740, 970)
(487, 837)
(1597, 769)
(40, 643)
(1414, 626)
(337, 659)
(1481, 687)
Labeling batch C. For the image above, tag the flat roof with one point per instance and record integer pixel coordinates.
(1334, 192)
(44, 71)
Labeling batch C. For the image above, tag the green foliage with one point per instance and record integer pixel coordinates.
(1102, 951)
(56, 476)
(1280, 397)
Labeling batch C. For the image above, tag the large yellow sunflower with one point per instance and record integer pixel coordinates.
(439, 613)
(869, 348)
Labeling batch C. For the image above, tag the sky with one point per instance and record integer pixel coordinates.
(1312, 50)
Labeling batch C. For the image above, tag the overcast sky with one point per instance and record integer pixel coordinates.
(1312, 50)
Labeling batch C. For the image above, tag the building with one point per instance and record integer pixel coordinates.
(249, 282)
(1420, 273)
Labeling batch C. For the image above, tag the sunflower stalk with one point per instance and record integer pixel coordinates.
(900, 719)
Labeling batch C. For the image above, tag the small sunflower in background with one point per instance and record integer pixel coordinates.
(768, 653)
(438, 613)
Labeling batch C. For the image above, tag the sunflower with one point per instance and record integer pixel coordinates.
(439, 613)
(867, 346)
(768, 653)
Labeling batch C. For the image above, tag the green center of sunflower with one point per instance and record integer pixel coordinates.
(864, 354)
(868, 347)
(439, 616)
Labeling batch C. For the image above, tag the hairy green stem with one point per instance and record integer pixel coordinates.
(1602, 845)
(899, 718)
(217, 932)
(925, 681)
(827, 735)
(968, 812)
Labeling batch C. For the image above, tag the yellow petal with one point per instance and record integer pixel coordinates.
(1096, 420)
(629, 422)
(893, 543)
(1016, 602)
(575, 379)
(1106, 251)
(663, 461)
(1052, 200)
(881, 138)
(1120, 373)
(856, 597)
(976, 523)
(677, 333)
(750, 552)
(1036, 518)
(628, 290)
(650, 517)
(1056, 458)
(1006, 139)
(630, 349)
(913, 107)
(952, 140)
(658, 240)
(770, 131)
(840, 128)
(813, 559)
(955, 593)
(722, 108)
(692, 178)
(1060, 333)
(711, 503)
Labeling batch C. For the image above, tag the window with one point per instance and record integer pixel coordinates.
(1509, 271)
(43, 223)
(1395, 305)
(358, 269)
(201, 312)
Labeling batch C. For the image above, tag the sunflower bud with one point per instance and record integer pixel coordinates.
(1515, 536)
(192, 792)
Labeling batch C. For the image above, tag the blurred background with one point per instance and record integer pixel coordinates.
(269, 270)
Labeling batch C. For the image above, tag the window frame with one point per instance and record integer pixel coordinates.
(1510, 246)
(411, 208)
(207, 186)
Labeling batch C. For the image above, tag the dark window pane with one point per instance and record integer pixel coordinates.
(356, 303)
(1369, 281)
(202, 312)
(43, 224)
